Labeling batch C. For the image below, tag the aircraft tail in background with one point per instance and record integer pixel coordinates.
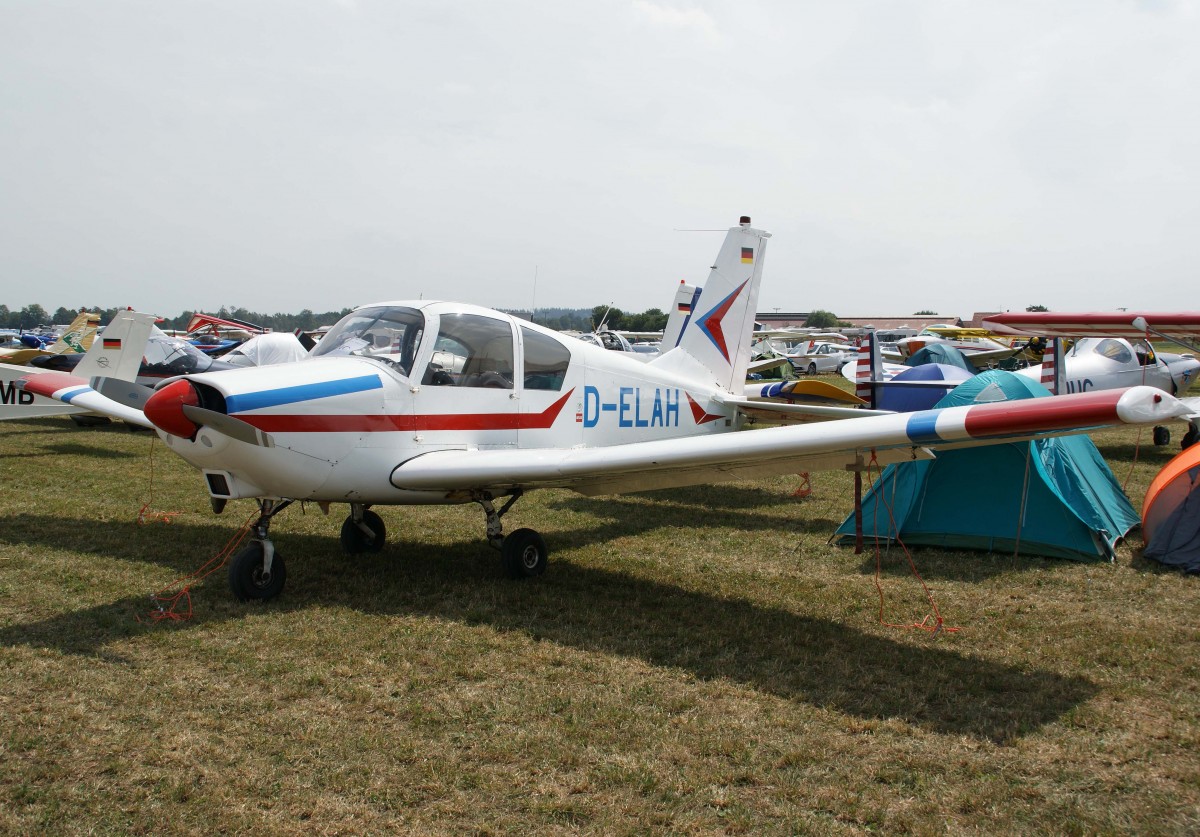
(868, 370)
(79, 335)
(1052, 366)
(679, 315)
(117, 352)
(715, 341)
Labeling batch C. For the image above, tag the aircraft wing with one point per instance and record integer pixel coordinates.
(981, 360)
(779, 450)
(1177, 325)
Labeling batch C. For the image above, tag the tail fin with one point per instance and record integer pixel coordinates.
(1052, 366)
(117, 352)
(679, 315)
(868, 371)
(716, 340)
(78, 336)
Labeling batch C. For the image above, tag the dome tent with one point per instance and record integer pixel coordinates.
(1052, 497)
(1171, 513)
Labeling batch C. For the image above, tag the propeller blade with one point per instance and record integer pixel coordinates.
(232, 427)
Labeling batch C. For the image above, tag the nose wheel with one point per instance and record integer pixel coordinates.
(257, 571)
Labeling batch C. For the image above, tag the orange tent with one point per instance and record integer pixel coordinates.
(1171, 513)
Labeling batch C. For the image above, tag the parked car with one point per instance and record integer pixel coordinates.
(821, 358)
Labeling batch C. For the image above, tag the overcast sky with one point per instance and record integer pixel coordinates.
(953, 155)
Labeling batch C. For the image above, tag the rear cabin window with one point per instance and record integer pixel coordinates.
(546, 360)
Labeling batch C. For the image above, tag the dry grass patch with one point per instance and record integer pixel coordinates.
(694, 661)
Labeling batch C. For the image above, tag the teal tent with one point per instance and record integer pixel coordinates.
(1052, 497)
(940, 353)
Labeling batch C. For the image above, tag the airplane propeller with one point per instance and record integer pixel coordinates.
(232, 427)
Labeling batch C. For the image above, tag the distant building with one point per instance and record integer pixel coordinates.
(779, 319)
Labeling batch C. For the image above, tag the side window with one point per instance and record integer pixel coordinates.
(546, 360)
(472, 351)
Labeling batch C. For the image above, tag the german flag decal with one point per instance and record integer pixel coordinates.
(747, 255)
(112, 342)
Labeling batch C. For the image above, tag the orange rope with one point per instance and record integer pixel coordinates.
(805, 488)
(177, 606)
(145, 515)
(938, 625)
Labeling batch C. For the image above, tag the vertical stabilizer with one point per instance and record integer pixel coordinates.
(1052, 366)
(78, 336)
(117, 351)
(868, 370)
(716, 338)
(679, 315)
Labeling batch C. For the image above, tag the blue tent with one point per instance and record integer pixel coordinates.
(940, 353)
(904, 399)
(1052, 497)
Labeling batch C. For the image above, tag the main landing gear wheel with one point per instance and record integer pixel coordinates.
(357, 541)
(524, 554)
(1162, 436)
(812, 369)
(1190, 438)
(249, 580)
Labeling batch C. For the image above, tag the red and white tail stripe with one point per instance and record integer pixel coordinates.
(868, 370)
(1052, 366)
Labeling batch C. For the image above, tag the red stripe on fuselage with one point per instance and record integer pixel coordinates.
(1077, 410)
(312, 423)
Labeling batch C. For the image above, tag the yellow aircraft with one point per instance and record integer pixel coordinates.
(76, 339)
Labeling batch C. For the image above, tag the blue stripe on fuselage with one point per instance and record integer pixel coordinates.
(922, 427)
(304, 392)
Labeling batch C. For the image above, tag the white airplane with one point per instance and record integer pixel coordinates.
(421, 402)
(116, 355)
(1112, 350)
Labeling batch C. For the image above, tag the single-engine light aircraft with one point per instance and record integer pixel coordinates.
(422, 402)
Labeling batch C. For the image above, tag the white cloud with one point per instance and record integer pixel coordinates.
(689, 19)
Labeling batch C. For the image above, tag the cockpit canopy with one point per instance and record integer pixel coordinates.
(390, 333)
(470, 349)
(165, 355)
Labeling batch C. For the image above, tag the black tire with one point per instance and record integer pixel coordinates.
(87, 420)
(1162, 436)
(246, 578)
(355, 541)
(812, 369)
(1190, 438)
(524, 554)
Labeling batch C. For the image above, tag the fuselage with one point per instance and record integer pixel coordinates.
(397, 380)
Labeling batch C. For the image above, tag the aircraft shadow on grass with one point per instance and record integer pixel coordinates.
(726, 505)
(820, 662)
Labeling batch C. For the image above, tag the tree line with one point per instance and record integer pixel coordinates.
(561, 319)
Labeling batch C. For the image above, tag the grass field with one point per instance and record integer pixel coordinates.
(695, 661)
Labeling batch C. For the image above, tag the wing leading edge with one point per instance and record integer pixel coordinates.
(781, 450)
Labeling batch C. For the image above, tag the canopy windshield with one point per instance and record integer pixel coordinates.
(167, 355)
(387, 333)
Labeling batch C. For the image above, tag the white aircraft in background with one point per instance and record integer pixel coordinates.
(116, 355)
(420, 402)
(1111, 350)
